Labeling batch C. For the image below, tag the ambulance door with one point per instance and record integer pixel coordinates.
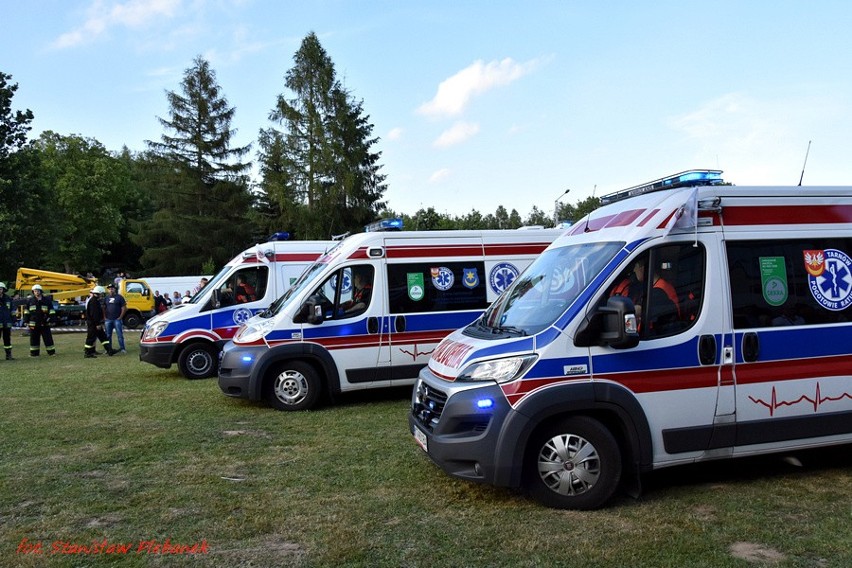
(791, 297)
(242, 294)
(351, 333)
(674, 370)
(435, 286)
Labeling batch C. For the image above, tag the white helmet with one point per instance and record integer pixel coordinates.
(36, 287)
(3, 285)
(99, 290)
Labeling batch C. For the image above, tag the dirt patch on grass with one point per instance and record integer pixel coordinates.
(757, 553)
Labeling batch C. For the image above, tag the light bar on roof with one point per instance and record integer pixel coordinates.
(384, 225)
(689, 178)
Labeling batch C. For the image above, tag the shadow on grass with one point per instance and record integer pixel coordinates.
(805, 463)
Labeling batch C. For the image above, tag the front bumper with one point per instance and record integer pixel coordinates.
(461, 425)
(157, 354)
(237, 370)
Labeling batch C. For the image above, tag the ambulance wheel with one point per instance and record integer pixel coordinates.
(573, 464)
(197, 361)
(293, 386)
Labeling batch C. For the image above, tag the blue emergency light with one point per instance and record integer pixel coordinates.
(384, 225)
(279, 236)
(689, 178)
(484, 403)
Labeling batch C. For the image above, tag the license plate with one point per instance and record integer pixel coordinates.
(420, 437)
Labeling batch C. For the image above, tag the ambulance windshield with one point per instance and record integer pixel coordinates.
(546, 288)
(301, 282)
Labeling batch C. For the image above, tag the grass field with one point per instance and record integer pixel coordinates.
(99, 454)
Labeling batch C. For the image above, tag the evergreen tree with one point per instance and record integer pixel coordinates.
(203, 199)
(25, 204)
(321, 170)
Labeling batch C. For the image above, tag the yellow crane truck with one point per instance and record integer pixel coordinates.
(70, 291)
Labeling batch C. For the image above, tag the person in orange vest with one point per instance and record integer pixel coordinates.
(664, 301)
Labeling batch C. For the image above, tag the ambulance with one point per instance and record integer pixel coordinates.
(370, 312)
(191, 334)
(685, 320)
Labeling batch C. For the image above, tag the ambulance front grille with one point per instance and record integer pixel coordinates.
(428, 405)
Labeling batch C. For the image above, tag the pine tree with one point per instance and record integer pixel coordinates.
(203, 196)
(321, 170)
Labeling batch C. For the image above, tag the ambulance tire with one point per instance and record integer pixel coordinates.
(197, 361)
(573, 464)
(293, 385)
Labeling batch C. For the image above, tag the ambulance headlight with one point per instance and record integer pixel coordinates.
(498, 370)
(254, 331)
(154, 330)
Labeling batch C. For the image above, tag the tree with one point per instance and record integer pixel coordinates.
(23, 218)
(91, 187)
(321, 170)
(203, 199)
(539, 217)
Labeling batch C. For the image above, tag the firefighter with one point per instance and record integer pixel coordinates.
(38, 316)
(6, 320)
(95, 324)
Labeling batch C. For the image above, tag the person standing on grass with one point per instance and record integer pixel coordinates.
(38, 316)
(115, 306)
(95, 324)
(7, 319)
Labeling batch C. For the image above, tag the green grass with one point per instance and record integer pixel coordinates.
(113, 449)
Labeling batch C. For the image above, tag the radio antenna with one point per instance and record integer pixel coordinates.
(805, 164)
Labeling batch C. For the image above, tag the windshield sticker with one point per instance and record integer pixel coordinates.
(502, 275)
(773, 279)
(829, 278)
(442, 278)
(416, 291)
(471, 278)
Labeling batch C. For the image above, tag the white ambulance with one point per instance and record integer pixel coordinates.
(686, 320)
(192, 333)
(370, 312)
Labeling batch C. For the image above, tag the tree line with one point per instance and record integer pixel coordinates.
(187, 203)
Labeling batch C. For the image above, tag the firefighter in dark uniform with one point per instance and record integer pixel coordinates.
(95, 324)
(7, 318)
(38, 315)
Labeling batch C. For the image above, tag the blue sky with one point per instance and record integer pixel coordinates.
(477, 103)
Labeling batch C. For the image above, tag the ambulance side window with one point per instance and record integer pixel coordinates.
(437, 287)
(666, 285)
(791, 282)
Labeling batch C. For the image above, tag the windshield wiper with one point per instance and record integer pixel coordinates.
(510, 329)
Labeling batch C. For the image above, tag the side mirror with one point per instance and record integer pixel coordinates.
(614, 324)
(310, 312)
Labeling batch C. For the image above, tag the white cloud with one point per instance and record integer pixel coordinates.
(456, 92)
(456, 134)
(439, 175)
(395, 133)
(103, 15)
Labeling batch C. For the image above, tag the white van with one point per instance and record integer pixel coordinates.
(673, 325)
(192, 333)
(369, 313)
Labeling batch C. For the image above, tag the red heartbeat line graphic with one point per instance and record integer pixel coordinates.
(416, 353)
(816, 401)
